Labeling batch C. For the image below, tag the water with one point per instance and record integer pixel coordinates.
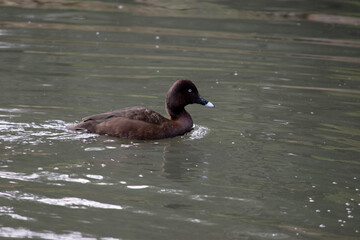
(278, 158)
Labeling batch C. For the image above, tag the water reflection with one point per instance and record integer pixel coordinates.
(181, 169)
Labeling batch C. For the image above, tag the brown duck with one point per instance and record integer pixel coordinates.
(144, 123)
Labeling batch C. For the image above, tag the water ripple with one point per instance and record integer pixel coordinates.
(53, 178)
(9, 211)
(71, 202)
(20, 232)
(36, 133)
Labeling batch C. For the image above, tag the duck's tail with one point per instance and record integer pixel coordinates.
(89, 126)
(75, 127)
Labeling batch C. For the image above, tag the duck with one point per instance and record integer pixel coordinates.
(141, 123)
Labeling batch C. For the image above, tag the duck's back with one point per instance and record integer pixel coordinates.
(133, 113)
(136, 116)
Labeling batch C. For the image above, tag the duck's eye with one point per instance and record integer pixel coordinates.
(189, 90)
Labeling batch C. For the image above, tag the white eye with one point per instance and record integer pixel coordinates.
(189, 90)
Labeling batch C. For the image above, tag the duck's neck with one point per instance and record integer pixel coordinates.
(176, 113)
(182, 117)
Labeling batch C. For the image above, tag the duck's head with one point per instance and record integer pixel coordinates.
(182, 93)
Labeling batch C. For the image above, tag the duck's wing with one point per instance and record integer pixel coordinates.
(134, 113)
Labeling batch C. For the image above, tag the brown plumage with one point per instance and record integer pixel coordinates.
(143, 123)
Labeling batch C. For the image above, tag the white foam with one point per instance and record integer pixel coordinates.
(199, 132)
(36, 133)
(137, 186)
(71, 202)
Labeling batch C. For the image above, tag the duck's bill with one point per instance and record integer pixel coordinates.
(209, 104)
(204, 102)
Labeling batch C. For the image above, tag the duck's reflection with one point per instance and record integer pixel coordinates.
(179, 163)
(176, 159)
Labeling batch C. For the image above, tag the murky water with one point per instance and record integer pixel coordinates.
(278, 158)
